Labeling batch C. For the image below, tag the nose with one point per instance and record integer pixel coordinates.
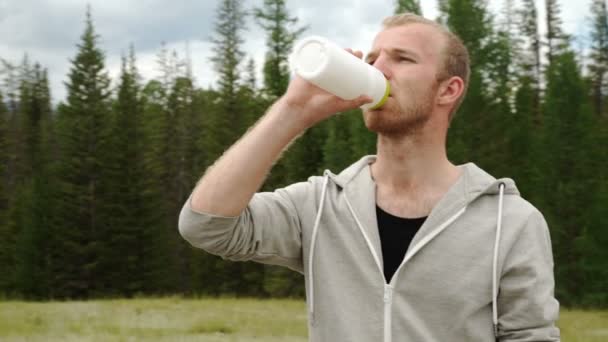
(382, 63)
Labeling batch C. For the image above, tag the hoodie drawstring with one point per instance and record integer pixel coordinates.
(495, 261)
(312, 250)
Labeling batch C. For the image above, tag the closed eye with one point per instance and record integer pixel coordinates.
(406, 59)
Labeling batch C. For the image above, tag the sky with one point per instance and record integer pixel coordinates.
(49, 30)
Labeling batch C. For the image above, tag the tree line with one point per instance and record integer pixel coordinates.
(91, 189)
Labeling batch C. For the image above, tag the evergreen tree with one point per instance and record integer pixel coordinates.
(281, 32)
(557, 40)
(134, 260)
(408, 6)
(363, 141)
(338, 146)
(228, 122)
(529, 55)
(157, 153)
(471, 22)
(6, 253)
(10, 84)
(598, 68)
(568, 172)
(253, 103)
(595, 256)
(83, 135)
(34, 208)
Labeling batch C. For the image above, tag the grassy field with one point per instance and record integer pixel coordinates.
(213, 320)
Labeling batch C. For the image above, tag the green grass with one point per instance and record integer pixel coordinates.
(168, 319)
(214, 320)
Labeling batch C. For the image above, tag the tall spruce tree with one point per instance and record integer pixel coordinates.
(83, 135)
(408, 6)
(133, 261)
(35, 207)
(595, 256)
(17, 83)
(530, 62)
(472, 23)
(6, 251)
(557, 40)
(157, 153)
(598, 68)
(281, 32)
(227, 40)
(568, 171)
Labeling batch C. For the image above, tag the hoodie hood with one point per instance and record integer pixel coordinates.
(357, 182)
(476, 182)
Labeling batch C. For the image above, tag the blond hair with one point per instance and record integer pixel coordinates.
(455, 55)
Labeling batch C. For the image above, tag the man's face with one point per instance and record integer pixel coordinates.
(410, 57)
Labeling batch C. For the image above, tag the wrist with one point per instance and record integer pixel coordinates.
(292, 116)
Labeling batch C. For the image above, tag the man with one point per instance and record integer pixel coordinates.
(479, 264)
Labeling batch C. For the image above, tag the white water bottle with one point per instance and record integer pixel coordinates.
(331, 68)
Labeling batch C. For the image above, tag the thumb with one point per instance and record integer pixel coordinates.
(361, 100)
(354, 103)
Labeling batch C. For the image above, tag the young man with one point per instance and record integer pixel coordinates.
(401, 246)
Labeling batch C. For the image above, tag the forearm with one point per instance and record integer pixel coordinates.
(228, 186)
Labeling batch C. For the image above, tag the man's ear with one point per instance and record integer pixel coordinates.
(450, 91)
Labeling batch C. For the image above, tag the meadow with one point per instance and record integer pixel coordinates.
(213, 320)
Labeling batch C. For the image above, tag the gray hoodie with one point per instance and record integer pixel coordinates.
(479, 269)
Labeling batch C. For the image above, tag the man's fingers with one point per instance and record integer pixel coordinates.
(355, 103)
(357, 53)
(363, 99)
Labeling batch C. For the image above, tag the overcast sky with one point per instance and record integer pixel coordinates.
(48, 30)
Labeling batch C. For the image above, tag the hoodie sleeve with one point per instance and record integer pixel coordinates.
(267, 231)
(527, 308)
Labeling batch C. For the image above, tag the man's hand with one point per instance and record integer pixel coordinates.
(314, 104)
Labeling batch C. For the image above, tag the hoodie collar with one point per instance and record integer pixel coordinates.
(475, 181)
(360, 188)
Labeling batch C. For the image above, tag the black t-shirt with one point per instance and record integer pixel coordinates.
(396, 233)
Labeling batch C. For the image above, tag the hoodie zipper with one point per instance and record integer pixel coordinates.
(388, 305)
(388, 288)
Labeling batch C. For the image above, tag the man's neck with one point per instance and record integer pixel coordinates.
(412, 173)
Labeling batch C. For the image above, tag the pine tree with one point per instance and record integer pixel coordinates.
(157, 153)
(557, 40)
(227, 50)
(132, 259)
(594, 261)
(530, 65)
(471, 22)
(598, 68)
(281, 32)
(6, 250)
(568, 171)
(10, 84)
(83, 134)
(338, 146)
(253, 103)
(408, 6)
(363, 140)
(35, 205)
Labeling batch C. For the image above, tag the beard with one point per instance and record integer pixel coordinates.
(397, 121)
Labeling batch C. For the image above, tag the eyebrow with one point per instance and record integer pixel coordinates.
(394, 51)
